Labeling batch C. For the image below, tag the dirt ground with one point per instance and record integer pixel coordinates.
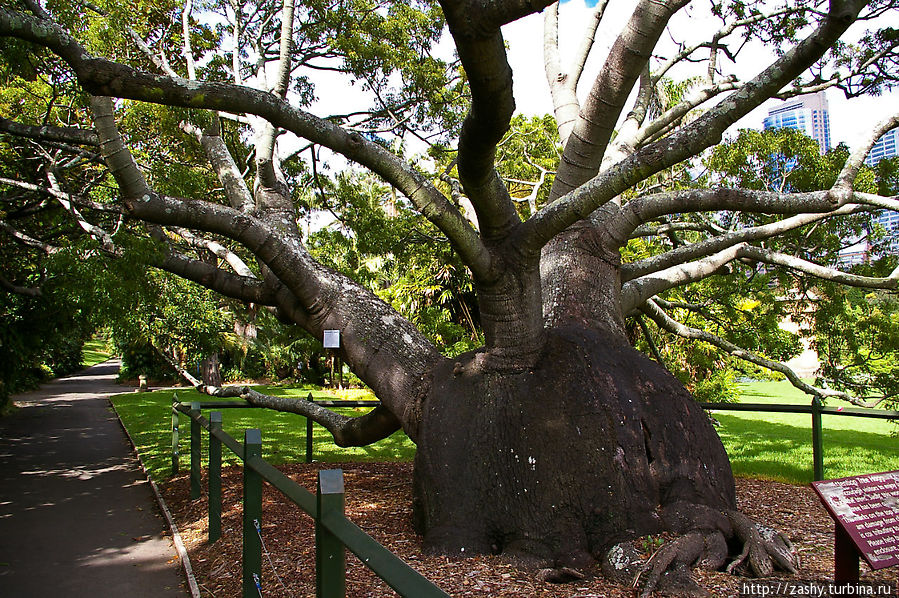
(378, 499)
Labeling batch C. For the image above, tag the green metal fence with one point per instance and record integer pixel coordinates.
(333, 531)
(816, 409)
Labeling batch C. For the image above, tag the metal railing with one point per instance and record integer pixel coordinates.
(816, 409)
(333, 531)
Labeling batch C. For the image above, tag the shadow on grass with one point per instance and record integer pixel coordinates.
(783, 452)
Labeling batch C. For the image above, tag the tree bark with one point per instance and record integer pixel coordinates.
(593, 445)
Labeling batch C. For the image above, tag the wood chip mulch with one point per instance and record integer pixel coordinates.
(378, 499)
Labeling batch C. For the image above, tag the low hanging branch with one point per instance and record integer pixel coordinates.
(376, 425)
(666, 322)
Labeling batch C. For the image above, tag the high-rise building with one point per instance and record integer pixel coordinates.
(885, 147)
(807, 113)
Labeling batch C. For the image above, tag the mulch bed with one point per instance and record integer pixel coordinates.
(378, 499)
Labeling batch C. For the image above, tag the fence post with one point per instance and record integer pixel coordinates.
(252, 517)
(195, 472)
(175, 455)
(215, 477)
(309, 434)
(330, 555)
(817, 441)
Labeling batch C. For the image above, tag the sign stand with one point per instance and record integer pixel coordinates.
(845, 556)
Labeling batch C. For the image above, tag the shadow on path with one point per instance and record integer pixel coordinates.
(77, 516)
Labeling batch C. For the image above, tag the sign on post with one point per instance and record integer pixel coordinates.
(332, 339)
(866, 512)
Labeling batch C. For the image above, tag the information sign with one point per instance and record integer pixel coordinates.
(867, 509)
(332, 339)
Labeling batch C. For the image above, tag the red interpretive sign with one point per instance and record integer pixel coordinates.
(866, 507)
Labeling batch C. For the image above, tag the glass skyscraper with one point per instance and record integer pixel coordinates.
(807, 113)
(885, 147)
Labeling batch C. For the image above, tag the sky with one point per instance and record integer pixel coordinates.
(850, 119)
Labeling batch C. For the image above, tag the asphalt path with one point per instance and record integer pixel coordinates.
(77, 515)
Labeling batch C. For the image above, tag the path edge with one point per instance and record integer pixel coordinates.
(173, 527)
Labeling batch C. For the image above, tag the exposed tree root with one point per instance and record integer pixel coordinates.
(762, 551)
(707, 549)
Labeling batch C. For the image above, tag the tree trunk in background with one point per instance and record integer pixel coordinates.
(211, 370)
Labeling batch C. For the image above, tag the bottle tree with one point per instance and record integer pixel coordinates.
(556, 440)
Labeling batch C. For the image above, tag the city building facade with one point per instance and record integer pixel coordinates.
(885, 147)
(807, 113)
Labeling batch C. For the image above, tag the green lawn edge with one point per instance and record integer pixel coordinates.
(760, 445)
(93, 352)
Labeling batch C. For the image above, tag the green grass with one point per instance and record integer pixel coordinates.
(148, 419)
(778, 446)
(761, 445)
(94, 352)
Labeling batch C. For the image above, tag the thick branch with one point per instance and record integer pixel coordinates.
(47, 133)
(772, 257)
(218, 250)
(691, 139)
(639, 290)
(15, 289)
(236, 190)
(377, 424)
(384, 350)
(668, 323)
(709, 246)
(248, 290)
(563, 82)
(481, 18)
(103, 77)
(492, 106)
(599, 113)
(27, 240)
(850, 170)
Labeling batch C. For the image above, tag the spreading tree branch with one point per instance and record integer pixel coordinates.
(103, 77)
(377, 424)
(666, 322)
(691, 139)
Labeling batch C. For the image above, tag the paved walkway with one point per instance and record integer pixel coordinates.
(77, 516)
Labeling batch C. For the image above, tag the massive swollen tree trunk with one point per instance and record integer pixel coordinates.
(591, 445)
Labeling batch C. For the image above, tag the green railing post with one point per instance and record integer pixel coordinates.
(252, 517)
(215, 477)
(309, 434)
(330, 555)
(817, 441)
(195, 473)
(175, 417)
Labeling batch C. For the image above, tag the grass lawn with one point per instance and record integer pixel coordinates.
(761, 445)
(94, 352)
(147, 416)
(778, 446)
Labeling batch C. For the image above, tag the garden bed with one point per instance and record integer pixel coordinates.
(378, 499)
